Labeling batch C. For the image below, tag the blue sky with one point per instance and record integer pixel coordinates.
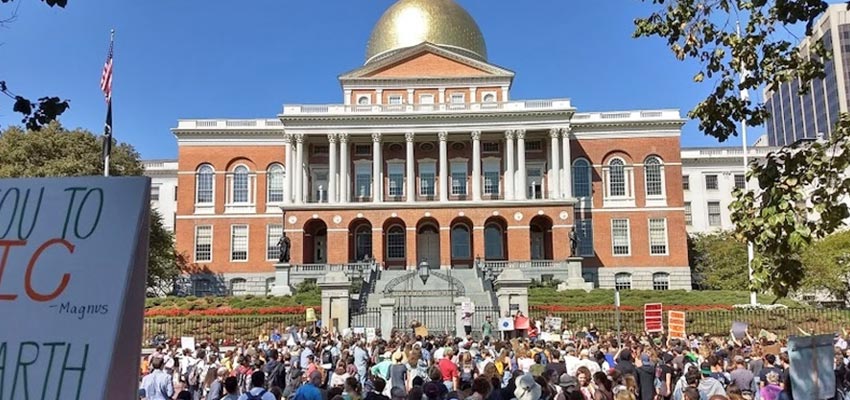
(245, 59)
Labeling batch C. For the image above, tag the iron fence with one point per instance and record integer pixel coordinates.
(785, 322)
(369, 317)
(438, 319)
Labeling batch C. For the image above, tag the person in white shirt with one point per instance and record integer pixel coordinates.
(571, 362)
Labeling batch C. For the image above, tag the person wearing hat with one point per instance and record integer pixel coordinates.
(709, 386)
(527, 388)
(398, 372)
(569, 388)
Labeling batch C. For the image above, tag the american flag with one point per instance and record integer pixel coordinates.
(106, 77)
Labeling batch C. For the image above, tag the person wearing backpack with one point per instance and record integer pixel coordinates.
(258, 390)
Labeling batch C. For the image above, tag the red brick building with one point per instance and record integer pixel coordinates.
(427, 157)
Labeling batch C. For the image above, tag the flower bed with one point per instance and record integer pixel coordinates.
(224, 311)
(604, 308)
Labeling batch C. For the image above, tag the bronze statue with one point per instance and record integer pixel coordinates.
(573, 242)
(284, 244)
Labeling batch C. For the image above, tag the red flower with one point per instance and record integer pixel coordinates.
(225, 311)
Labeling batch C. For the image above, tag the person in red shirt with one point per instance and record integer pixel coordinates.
(449, 371)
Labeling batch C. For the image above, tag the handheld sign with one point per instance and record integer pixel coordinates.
(506, 324)
(310, 315)
(676, 324)
(739, 329)
(72, 286)
(187, 342)
(653, 317)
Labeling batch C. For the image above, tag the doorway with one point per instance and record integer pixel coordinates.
(428, 245)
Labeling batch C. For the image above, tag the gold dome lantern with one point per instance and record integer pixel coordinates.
(411, 22)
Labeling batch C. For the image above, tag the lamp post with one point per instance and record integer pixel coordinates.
(617, 314)
(424, 271)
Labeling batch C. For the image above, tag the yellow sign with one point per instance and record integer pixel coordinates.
(676, 324)
(421, 331)
(311, 315)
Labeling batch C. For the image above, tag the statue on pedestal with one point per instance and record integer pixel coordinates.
(573, 242)
(284, 244)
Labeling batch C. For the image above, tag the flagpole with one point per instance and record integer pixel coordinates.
(109, 106)
(745, 96)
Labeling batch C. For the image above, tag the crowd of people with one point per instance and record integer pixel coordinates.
(309, 363)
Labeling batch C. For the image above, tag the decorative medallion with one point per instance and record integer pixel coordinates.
(315, 216)
(359, 215)
(564, 215)
(518, 216)
(394, 215)
(292, 219)
(460, 214)
(540, 212)
(337, 219)
(495, 213)
(427, 213)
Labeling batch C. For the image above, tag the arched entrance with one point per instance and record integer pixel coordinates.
(541, 238)
(395, 244)
(428, 242)
(360, 240)
(315, 242)
(495, 239)
(461, 242)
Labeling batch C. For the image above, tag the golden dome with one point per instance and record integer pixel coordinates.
(441, 22)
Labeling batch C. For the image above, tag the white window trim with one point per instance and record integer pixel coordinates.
(540, 166)
(230, 205)
(269, 184)
(452, 163)
(666, 275)
(708, 214)
(686, 178)
(247, 243)
(589, 177)
(395, 96)
(688, 209)
(367, 165)
(387, 242)
(431, 164)
(627, 200)
(204, 208)
(628, 237)
(457, 105)
(631, 279)
(656, 200)
(705, 181)
(666, 238)
(268, 242)
(489, 104)
(495, 163)
(195, 244)
(398, 164)
(158, 188)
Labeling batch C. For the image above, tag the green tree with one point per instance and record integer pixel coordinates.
(800, 190)
(827, 263)
(719, 261)
(54, 151)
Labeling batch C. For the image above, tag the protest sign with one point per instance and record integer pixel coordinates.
(506, 324)
(739, 329)
(554, 323)
(72, 282)
(187, 342)
(467, 307)
(370, 334)
(676, 324)
(812, 373)
(359, 330)
(310, 315)
(421, 331)
(653, 317)
(521, 322)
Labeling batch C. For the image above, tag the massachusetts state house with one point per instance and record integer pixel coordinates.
(428, 159)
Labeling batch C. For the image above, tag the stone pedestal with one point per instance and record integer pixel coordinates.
(459, 332)
(335, 288)
(512, 291)
(574, 278)
(281, 280)
(387, 318)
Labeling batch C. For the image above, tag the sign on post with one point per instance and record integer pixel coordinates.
(72, 286)
(812, 372)
(676, 324)
(653, 317)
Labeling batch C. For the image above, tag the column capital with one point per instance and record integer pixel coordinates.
(299, 137)
(376, 137)
(443, 135)
(555, 133)
(287, 138)
(566, 130)
(520, 134)
(509, 134)
(476, 135)
(332, 137)
(409, 136)
(343, 137)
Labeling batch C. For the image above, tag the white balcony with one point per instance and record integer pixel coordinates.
(509, 106)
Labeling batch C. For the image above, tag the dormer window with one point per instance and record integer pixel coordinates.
(363, 100)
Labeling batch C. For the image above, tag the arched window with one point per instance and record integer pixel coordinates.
(363, 242)
(275, 177)
(395, 243)
(581, 178)
(238, 287)
(494, 246)
(461, 242)
(363, 100)
(616, 178)
(654, 181)
(660, 281)
(204, 180)
(240, 184)
(623, 281)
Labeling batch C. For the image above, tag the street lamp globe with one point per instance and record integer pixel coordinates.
(424, 271)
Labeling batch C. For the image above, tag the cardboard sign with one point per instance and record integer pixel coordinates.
(467, 307)
(310, 314)
(554, 322)
(521, 322)
(653, 317)
(370, 334)
(812, 374)
(739, 329)
(421, 331)
(72, 286)
(187, 342)
(506, 324)
(676, 325)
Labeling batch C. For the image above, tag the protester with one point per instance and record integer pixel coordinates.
(157, 385)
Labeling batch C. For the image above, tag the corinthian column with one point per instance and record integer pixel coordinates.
(522, 188)
(567, 183)
(509, 165)
(444, 167)
(288, 175)
(476, 165)
(554, 182)
(299, 169)
(410, 174)
(344, 176)
(377, 180)
(332, 161)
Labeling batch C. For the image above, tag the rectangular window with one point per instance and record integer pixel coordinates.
(395, 100)
(203, 243)
(426, 99)
(457, 98)
(713, 213)
(490, 147)
(658, 236)
(459, 175)
(321, 149)
(239, 243)
(273, 234)
(584, 231)
(362, 150)
(739, 181)
(686, 182)
(535, 183)
(155, 193)
(689, 219)
(533, 145)
(620, 237)
(363, 180)
(427, 176)
(396, 179)
(492, 175)
(395, 244)
(711, 182)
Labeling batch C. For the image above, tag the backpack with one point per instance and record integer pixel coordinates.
(327, 357)
(242, 381)
(192, 375)
(252, 396)
(661, 382)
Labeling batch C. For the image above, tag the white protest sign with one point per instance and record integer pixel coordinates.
(467, 307)
(370, 334)
(72, 283)
(187, 342)
(506, 324)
